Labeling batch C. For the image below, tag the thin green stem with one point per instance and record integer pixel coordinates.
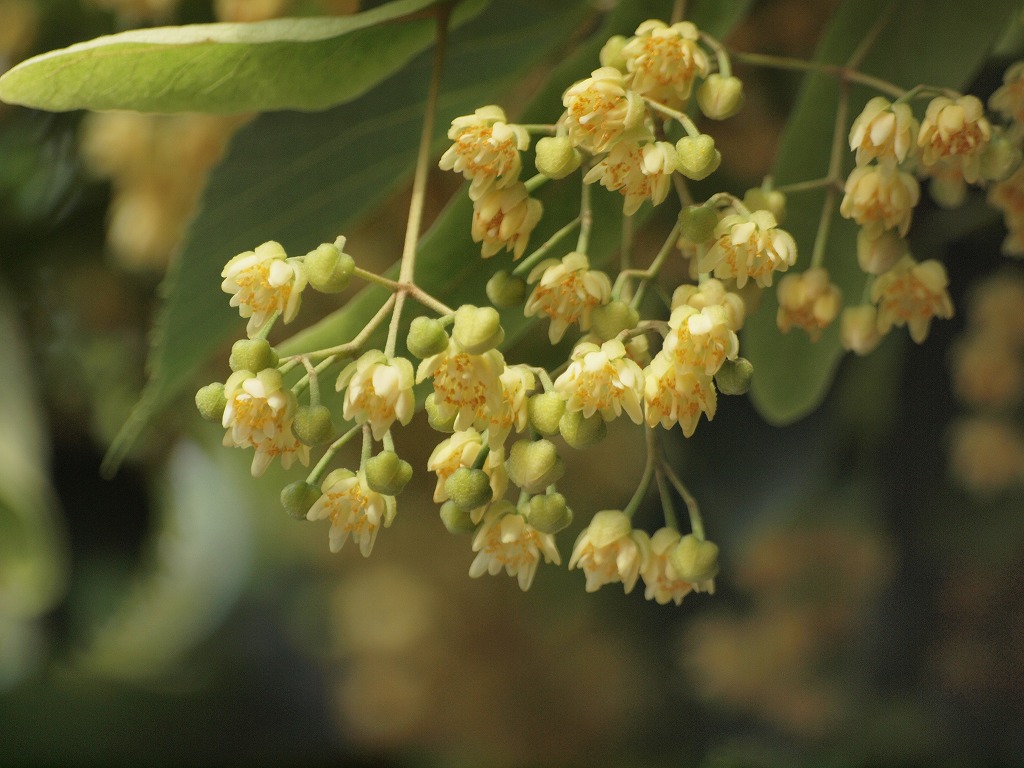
(548, 130)
(407, 270)
(678, 11)
(652, 271)
(388, 442)
(586, 220)
(844, 74)
(535, 182)
(807, 186)
(696, 522)
(835, 169)
(667, 507)
(865, 45)
(267, 327)
(645, 479)
(310, 379)
(534, 258)
(721, 54)
(367, 449)
(349, 348)
(680, 117)
(325, 460)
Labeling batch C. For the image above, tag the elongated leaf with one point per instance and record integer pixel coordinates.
(939, 42)
(308, 63)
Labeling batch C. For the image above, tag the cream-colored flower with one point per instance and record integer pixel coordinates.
(709, 293)
(506, 541)
(504, 218)
(809, 301)
(955, 133)
(911, 294)
(1008, 197)
(263, 282)
(700, 339)
(517, 381)
(378, 390)
(486, 150)
(1008, 99)
(665, 60)
(610, 551)
(638, 171)
(661, 582)
(858, 329)
(883, 131)
(567, 291)
(602, 380)
(466, 386)
(879, 198)
(674, 395)
(462, 450)
(600, 109)
(354, 509)
(259, 415)
(749, 246)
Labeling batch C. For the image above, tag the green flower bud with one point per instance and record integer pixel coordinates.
(720, 97)
(697, 223)
(534, 465)
(544, 411)
(456, 519)
(426, 337)
(1000, 158)
(468, 488)
(477, 329)
(757, 199)
(733, 378)
(548, 513)
(388, 474)
(252, 355)
(611, 53)
(211, 402)
(434, 416)
(313, 425)
(608, 320)
(506, 290)
(694, 560)
(297, 498)
(581, 432)
(697, 156)
(328, 268)
(557, 157)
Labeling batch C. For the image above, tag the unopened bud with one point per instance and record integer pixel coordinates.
(611, 53)
(252, 355)
(557, 157)
(697, 156)
(534, 465)
(757, 199)
(468, 488)
(548, 513)
(297, 498)
(1000, 158)
(477, 329)
(733, 378)
(544, 412)
(581, 431)
(697, 223)
(878, 254)
(456, 519)
(328, 268)
(211, 402)
(426, 337)
(720, 97)
(386, 473)
(695, 560)
(437, 420)
(313, 424)
(608, 320)
(506, 290)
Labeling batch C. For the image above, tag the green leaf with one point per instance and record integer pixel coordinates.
(306, 63)
(938, 42)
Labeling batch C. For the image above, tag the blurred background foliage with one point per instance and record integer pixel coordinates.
(868, 610)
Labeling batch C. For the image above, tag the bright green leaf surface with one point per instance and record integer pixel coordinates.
(307, 63)
(939, 42)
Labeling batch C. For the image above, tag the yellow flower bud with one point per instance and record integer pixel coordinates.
(557, 157)
(695, 560)
(426, 337)
(386, 473)
(328, 268)
(548, 513)
(544, 412)
(609, 320)
(211, 402)
(876, 255)
(477, 329)
(611, 53)
(720, 97)
(440, 420)
(580, 431)
(697, 156)
(534, 465)
(252, 355)
(757, 199)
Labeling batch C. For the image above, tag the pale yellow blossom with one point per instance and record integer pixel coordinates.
(602, 380)
(610, 551)
(749, 246)
(486, 150)
(566, 291)
(258, 415)
(506, 541)
(955, 132)
(911, 294)
(809, 301)
(675, 395)
(661, 582)
(711, 292)
(883, 131)
(601, 109)
(700, 339)
(378, 391)
(463, 449)
(504, 218)
(858, 329)
(263, 282)
(1008, 99)
(466, 386)
(354, 509)
(517, 381)
(638, 171)
(879, 198)
(665, 60)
